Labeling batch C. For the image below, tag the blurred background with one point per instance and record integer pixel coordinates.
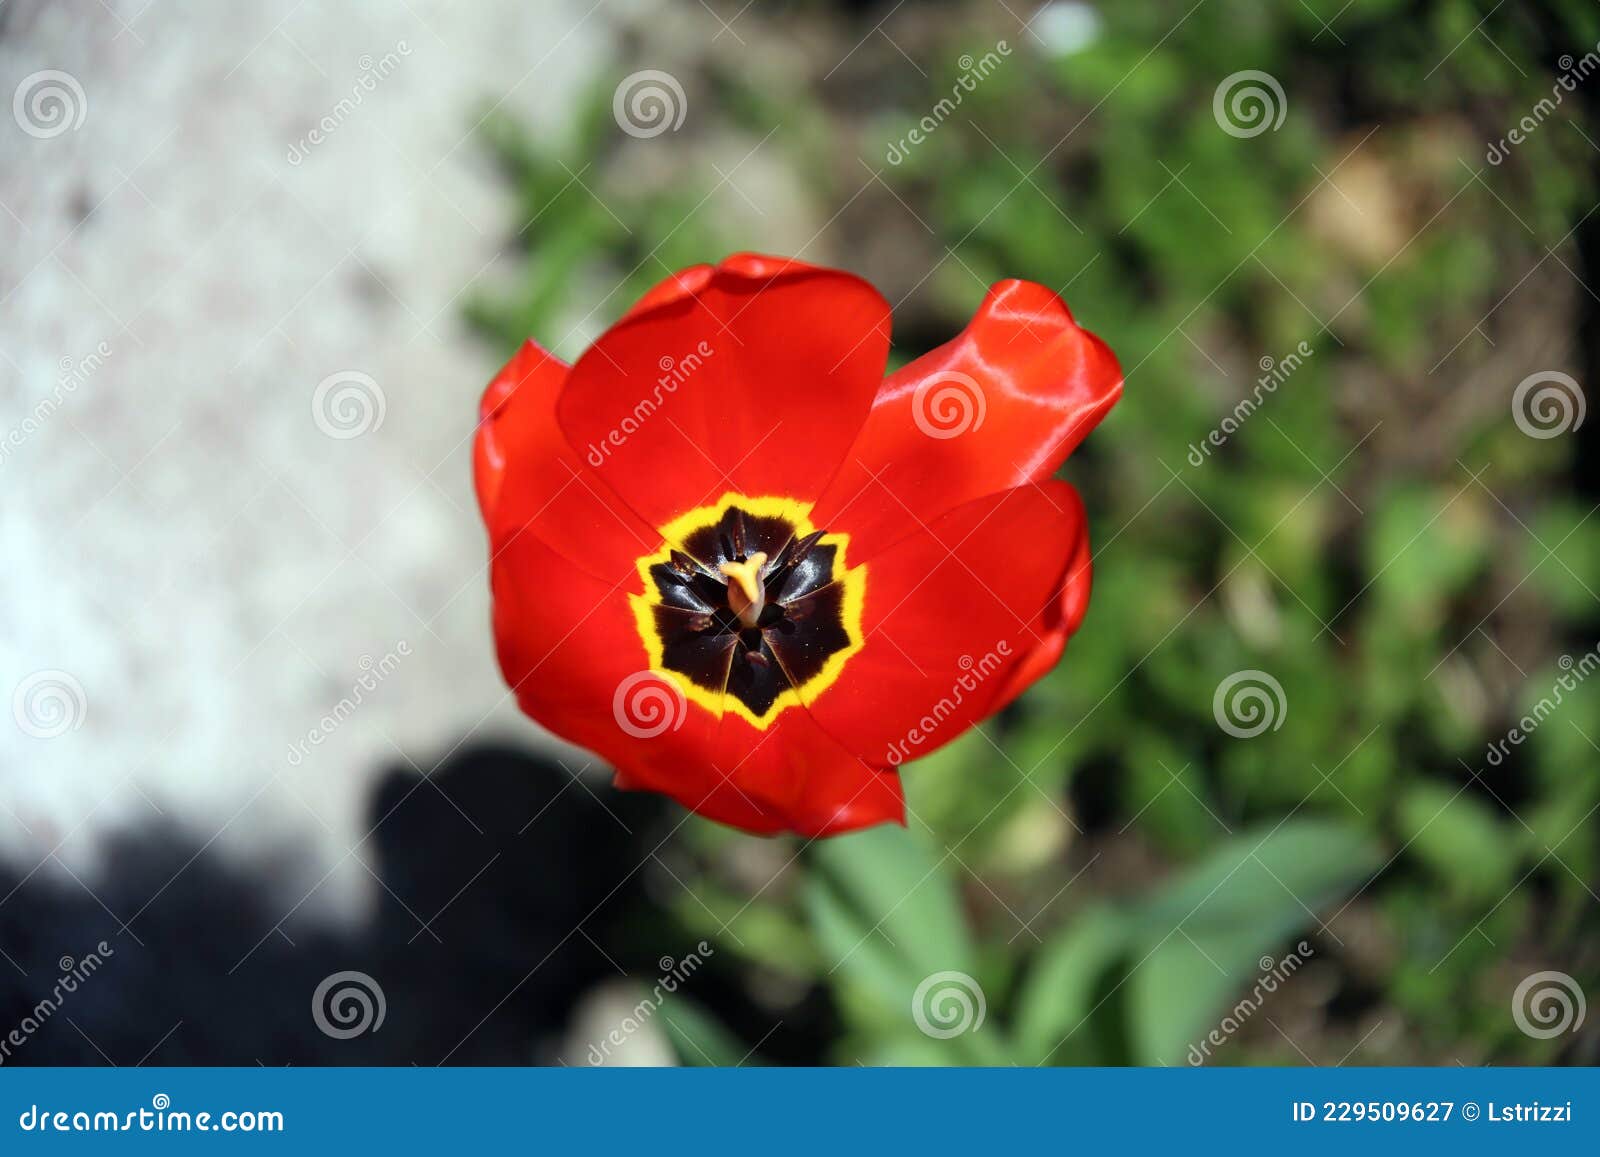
(1317, 783)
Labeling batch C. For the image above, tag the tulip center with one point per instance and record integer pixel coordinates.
(751, 605)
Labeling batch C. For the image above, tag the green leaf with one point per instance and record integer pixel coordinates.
(699, 1038)
(1458, 837)
(1061, 993)
(902, 898)
(1203, 937)
(889, 924)
(850, 944)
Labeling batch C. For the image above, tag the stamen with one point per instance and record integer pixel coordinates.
(747, 597)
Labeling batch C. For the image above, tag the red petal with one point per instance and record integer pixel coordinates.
(798, 772)
(531, 373)
(530, 481)
(1060, 618)
(951, 612)
(571, 654)
(675, 288)
(845, 797)
(753, 377)
(999, 406)
(724, 804)
(687, 282)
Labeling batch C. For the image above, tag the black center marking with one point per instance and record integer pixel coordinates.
(800, 627)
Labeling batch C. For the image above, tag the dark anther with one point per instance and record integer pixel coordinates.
(683, 564)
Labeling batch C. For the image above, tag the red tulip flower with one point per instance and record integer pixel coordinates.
(752, 573)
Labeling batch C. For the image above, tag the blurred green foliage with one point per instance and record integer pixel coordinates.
(1108, 863)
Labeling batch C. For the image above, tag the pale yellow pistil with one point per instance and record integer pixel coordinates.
(747, 597)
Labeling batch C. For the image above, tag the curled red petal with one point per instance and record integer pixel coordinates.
(1000, 405)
